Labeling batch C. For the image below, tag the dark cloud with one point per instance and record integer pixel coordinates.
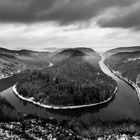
(125, 18)
(61, 11)
(23, 10)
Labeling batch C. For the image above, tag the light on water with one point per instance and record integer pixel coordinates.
(124, 105)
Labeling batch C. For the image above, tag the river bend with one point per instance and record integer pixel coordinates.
(124, 105)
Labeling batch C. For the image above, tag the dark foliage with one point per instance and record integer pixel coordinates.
(99, 128)
(61, 91)
(128, 63)
(73, 81)
(7, 112)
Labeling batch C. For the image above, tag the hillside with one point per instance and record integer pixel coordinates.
(127, 63)
(74, 64)
(75, 80)
(122, 49)
(88, 54)
(15, 61)
(7, 111)
(9, 66)
(65, 53)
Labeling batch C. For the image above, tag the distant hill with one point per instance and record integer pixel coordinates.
(73, 65)
(75, 78)
(17, 52)
(4, 50)
(26, 52)
(65, 53)
(71, 52)
(128, 63)
(80, 63)
(41, 60)
(122, 49)
(32, 59)
(86, 50)
(36, 59)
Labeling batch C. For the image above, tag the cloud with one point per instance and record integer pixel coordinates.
(45, 35)
(23, 10)
(126, 17)
(60, 11)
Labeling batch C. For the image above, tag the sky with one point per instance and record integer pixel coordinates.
(54, 24)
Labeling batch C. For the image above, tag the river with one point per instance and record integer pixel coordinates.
(124, 105)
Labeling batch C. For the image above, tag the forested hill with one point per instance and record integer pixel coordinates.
(65, 53)
(77, 64)
(127, 63)
(122, 49)
(76, 79)
(12, 61)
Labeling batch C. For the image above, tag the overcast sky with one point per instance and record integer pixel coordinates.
(43, 24)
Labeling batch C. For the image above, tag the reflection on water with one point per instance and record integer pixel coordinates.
(26, 107)
(80, 111)
(124, 104)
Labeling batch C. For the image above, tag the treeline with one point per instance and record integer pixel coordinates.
(62, 91)
(126, 63)
(7, 111)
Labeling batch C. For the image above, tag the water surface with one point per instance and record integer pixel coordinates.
(124, 105)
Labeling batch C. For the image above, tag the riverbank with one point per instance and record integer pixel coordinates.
(61, 107)
(4, 77)
(10, 75)
(118, 74)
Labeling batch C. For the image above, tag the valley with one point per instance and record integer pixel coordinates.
(126, 65)
(10, 67)
(72, 82)
(72, 71)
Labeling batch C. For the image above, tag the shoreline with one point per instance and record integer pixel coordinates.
(135, 86)
(61, 107)
(1, 78)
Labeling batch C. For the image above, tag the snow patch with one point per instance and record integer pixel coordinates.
(50, 64)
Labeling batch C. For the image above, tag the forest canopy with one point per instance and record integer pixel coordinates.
(64, 92)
